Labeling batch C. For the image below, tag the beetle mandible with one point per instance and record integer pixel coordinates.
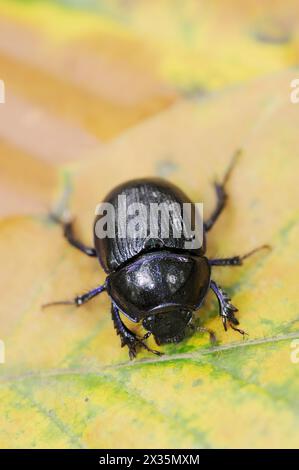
(157, 282)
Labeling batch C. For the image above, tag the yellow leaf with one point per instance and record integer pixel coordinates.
(67, 383)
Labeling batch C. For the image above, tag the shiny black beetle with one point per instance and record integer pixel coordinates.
(156, 281)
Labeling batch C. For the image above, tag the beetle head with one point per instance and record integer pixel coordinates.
(168, 327)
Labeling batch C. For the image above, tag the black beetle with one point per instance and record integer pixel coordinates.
(158, 282)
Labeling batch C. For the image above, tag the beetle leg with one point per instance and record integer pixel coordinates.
(127, 337)
(80, 299)
(213, 339)
(236, 260)
(221, 194)
(68, 232)
(227, 310)
(147, 335)
(242, 332)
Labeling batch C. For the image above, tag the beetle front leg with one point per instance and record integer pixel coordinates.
(127, 337)
(226, 309)
(80, 299)
(68, 232)
(221, 194)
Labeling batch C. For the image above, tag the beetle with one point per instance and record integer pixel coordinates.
(157, 282)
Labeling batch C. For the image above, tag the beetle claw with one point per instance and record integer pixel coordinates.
(133, 342)
(153, 351)
(242, 332)
(132, 352)
(145, 346)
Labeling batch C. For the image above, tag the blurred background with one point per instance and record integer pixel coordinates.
(78, 73)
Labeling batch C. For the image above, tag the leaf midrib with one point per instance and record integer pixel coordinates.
(156, 360)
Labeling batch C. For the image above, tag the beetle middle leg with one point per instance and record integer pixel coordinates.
(127, 337)
(226, 309)
(80, 299)
(68, 232)
(221, 194)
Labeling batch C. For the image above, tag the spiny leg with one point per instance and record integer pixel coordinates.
(221, 193)
(227, 310)
(68, 232)
(80, 299)
(236, 260)
(127, 337)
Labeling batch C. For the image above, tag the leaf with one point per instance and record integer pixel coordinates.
(78, 73)
(195, 46)
(67, 383)
(67, 92)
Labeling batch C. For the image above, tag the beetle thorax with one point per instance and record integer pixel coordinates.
(160, 282)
